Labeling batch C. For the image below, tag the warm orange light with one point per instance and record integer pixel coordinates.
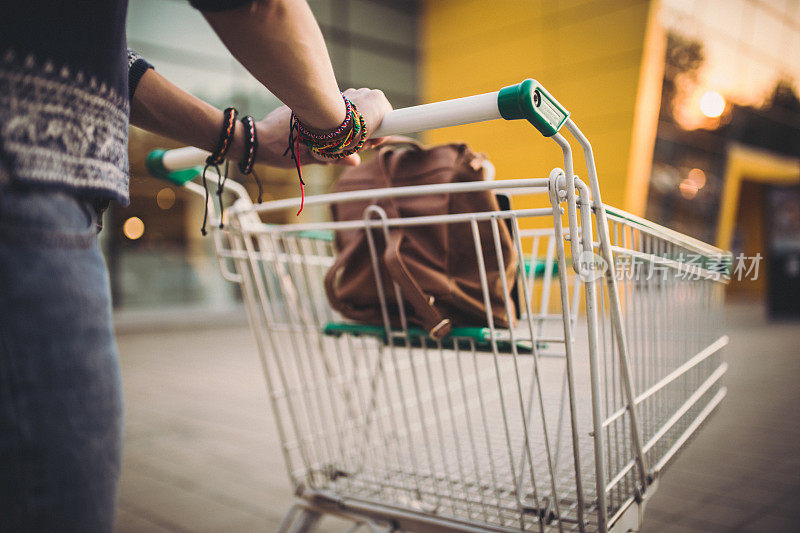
(688, 189)
(712, 104)
(697, 177)
(165, 198)
(133, 228)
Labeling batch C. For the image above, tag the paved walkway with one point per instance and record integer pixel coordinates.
(742, 473)
(202, 455)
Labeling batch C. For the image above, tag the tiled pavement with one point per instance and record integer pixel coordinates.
(742, 473)
(201, 452)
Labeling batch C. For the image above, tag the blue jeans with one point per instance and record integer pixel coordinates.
(60, 393)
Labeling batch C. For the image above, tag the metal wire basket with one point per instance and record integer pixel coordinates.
(561, 423)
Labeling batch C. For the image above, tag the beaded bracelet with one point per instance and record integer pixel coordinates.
(360, 128)
(332, 145)
(225, 136)
(306, 134)
(336, 146)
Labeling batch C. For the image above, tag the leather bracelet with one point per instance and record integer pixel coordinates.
(225, 137)
(250, 145)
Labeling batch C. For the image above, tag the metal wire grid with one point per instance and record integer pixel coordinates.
(460, 463)
(462, 433)
(287, 285)
(672, 309)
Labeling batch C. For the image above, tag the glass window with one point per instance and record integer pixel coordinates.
(729, 79)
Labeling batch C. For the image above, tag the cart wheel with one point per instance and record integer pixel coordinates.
(369, 527)
(299, 519)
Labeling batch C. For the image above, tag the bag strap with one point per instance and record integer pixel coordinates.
(396, 140)
(434, 323)
(432, 320)
(330, 285)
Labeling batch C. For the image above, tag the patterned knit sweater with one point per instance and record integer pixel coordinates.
(66, 81)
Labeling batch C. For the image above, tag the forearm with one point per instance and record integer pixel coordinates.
(163, 108)
(280, 43)
(160, 107)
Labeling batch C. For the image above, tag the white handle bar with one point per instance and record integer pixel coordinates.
(440, 115)
(399, 121)
(525, 100)
(528, 100)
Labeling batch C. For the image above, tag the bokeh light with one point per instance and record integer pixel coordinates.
(133, 228)
(712, 104)
(165, 198)
(697, 177)
(688, 189)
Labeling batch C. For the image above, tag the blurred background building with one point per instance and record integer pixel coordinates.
(157, 256)
(692, 109)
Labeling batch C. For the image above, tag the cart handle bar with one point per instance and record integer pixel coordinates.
(526, 100)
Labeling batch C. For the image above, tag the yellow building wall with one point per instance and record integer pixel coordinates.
(589, 54)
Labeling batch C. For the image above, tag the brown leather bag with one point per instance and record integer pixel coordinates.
(435, 266)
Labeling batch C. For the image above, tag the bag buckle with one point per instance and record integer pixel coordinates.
(436, 332)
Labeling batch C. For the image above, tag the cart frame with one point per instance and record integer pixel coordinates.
(671, 391)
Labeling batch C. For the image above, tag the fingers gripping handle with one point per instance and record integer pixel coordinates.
(526, 100)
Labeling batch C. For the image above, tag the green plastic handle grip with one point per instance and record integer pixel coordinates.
(155, 166)
(529, 100)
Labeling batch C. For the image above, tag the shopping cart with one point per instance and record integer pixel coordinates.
(563, 422)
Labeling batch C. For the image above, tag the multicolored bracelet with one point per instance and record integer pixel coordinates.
(337, 146)
(308, 134)
(334, 144)
(343, 148)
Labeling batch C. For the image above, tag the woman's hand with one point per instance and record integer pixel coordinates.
(273, 131)
(372, 104)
